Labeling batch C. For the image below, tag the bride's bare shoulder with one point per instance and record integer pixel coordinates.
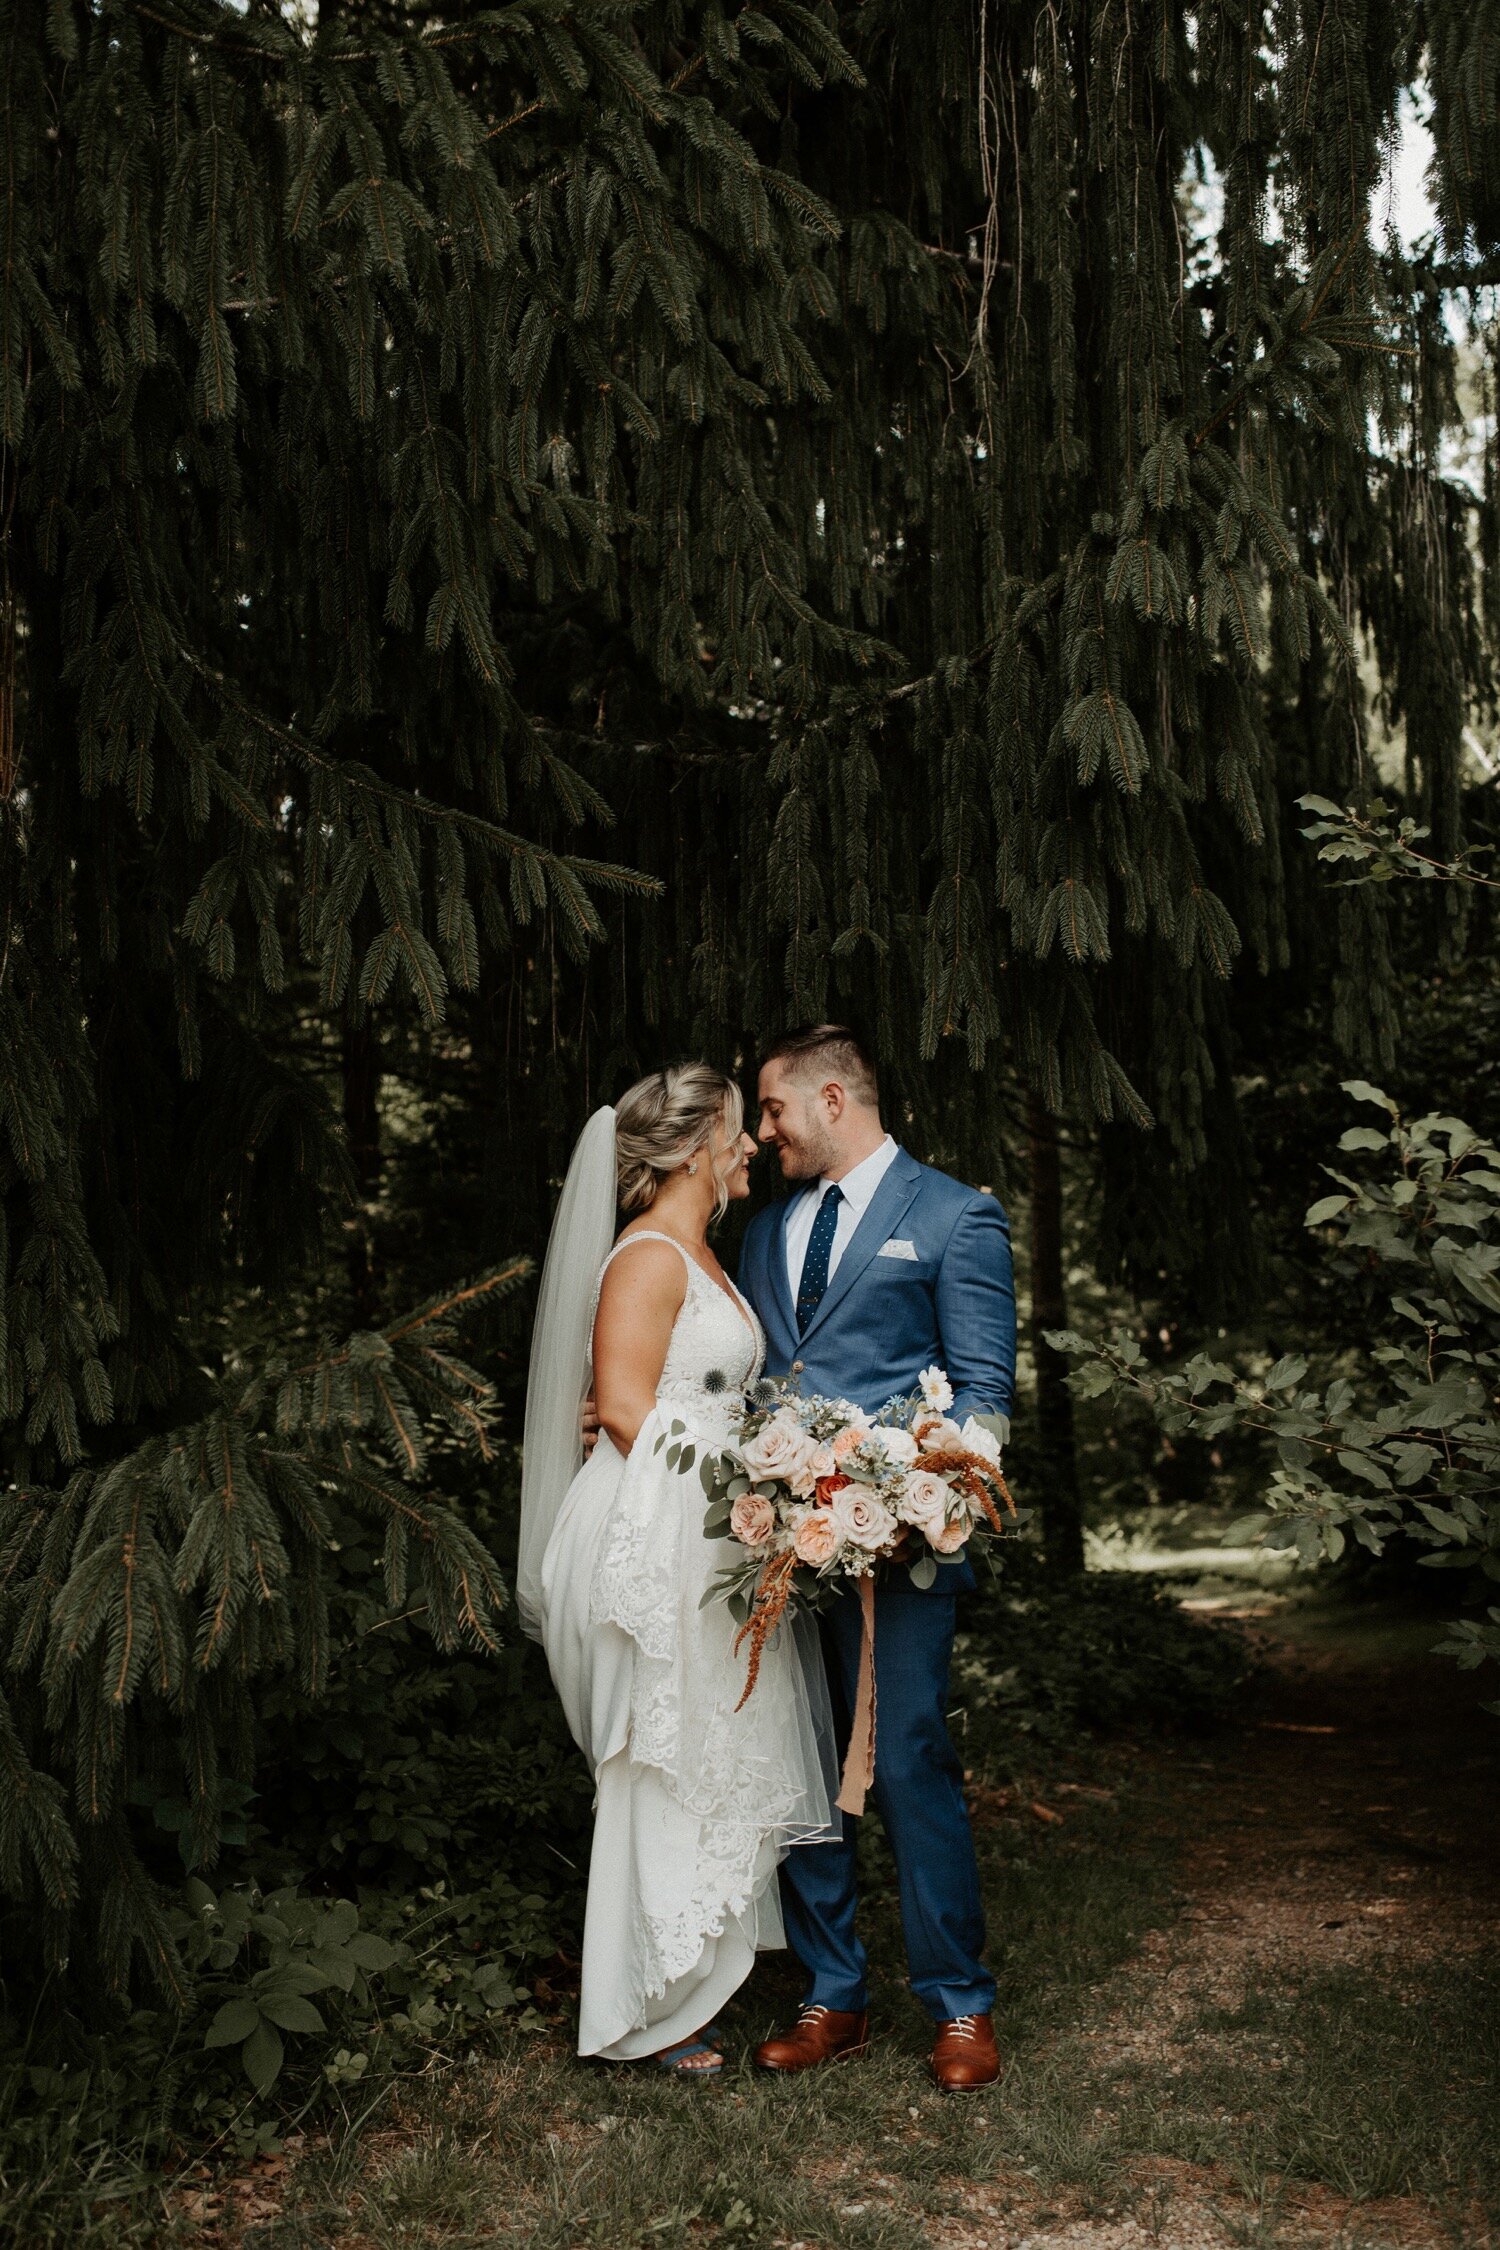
(644, 1270)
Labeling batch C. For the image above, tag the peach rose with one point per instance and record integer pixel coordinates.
(924, 1502)
(752, 1519)
(826, 1487)
(849, 1441)
(781, 1449)
(861, 1517)
(815, 1539)
(950, 1538)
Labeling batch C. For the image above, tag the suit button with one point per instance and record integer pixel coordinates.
(798, 1365)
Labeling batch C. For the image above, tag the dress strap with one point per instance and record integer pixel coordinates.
(650, 1234)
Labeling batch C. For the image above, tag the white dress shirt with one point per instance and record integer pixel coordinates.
(858, 1189)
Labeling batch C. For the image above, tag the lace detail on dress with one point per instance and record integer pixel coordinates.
(714, 1336)
(728, 1769)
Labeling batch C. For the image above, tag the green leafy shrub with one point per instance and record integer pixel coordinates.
(1109, 1650)
(308, 1946)
(376, 1981)
(1403, 1440)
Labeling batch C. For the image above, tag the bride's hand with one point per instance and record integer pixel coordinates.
(589, 1424)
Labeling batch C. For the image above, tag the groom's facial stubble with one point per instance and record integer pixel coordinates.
(793, 1122)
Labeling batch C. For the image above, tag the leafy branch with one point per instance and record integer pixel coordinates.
(1409, 1442)
(1382, 845)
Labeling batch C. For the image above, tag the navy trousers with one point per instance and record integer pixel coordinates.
(919, 1795)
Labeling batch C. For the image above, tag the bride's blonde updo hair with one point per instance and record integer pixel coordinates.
(663, 1122)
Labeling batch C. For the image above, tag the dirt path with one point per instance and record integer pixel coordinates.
(1354, 1827)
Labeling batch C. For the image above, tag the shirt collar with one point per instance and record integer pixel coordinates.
(858, 1186)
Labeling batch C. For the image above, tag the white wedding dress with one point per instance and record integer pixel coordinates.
(697, 1802)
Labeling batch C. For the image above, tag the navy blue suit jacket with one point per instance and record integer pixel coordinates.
(926, 1277)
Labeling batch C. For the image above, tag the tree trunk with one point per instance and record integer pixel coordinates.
(1061, 1507)
(361, 1075)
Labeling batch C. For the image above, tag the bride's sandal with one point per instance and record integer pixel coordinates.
(683, 2061)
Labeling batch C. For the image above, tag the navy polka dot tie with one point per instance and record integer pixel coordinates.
(814, 1280)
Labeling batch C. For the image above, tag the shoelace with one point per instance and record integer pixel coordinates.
(962, 2027)
(814, 2012)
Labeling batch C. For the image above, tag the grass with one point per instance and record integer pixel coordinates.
(1355, 2084)
(583, 2154)
(1369, 2084)
(66, 2179)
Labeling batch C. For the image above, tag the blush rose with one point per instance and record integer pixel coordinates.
(924, 1502)
(898, 1445)
(782, 1449)
(752, 1519)
(862, 1518)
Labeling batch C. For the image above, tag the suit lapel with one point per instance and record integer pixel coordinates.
(886, 1207)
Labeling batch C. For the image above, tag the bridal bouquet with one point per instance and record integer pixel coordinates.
(811, 1490)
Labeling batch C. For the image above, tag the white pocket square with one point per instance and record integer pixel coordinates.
(895, 1249)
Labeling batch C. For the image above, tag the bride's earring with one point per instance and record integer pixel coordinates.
(693, 1169)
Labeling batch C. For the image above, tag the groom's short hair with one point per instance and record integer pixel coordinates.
(833, 1049)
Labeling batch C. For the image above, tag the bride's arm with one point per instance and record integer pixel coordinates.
(640, 1300)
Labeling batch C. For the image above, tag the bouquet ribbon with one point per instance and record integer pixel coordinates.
(859, 1759)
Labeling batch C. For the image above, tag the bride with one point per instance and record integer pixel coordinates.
(696, 1801)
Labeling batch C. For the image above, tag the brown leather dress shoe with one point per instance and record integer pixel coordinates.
(820, 2035)
(964, 2055)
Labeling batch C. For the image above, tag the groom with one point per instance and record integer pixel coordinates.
(875, 1268)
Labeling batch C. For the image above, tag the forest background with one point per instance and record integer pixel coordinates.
(546, 539)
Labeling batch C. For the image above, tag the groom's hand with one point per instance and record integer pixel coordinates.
(589, 1424)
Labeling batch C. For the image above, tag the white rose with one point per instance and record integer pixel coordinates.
(861, 1518)
(781, 1449)
(820, 1462)
(936, 1389)
(977, 1438)
(898, 1445)
(924, 1502)
(936, 1434)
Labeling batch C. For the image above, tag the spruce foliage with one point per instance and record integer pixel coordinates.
(323, 348)
(145, 1602)
(930, 485)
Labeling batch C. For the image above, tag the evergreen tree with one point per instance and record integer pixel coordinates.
(921, 475)
(1137, 450)
(321, 347)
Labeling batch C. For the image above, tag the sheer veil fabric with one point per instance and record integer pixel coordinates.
(697, 1801)
(561, 1355)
